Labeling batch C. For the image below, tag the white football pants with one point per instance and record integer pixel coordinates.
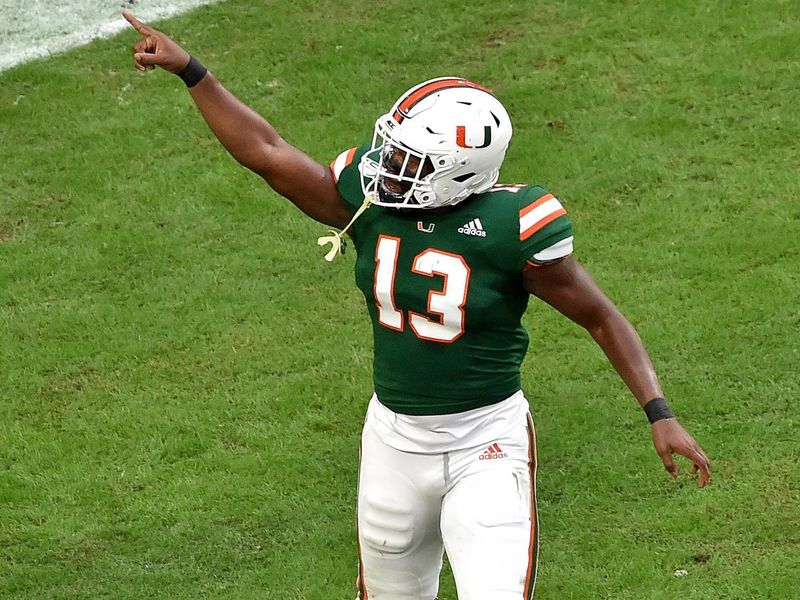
(478, 504)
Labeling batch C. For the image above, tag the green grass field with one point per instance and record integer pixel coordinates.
(184, 377)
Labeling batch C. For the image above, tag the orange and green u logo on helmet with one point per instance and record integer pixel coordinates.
(461, 137)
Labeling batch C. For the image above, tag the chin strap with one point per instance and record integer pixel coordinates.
(335, 239)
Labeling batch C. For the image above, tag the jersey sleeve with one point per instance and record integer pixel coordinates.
(545, 230)
(347, 176)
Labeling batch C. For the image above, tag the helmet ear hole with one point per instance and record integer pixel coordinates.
(464, 177)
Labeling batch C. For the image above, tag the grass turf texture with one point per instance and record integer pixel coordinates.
(184, 377)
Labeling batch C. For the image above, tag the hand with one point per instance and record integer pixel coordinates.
(669, 438)
(156, 49)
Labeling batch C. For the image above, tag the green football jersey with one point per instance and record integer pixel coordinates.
(444, 290)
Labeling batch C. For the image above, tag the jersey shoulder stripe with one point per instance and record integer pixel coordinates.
(538, 214)
(347, 176)
(342, 161)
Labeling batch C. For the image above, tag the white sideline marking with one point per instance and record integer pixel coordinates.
(31, 29)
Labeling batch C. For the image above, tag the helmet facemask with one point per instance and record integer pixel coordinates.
(400, 175)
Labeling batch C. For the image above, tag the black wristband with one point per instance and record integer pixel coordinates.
(193, 72)
(657, 409)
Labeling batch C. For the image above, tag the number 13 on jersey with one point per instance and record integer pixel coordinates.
(445, 319)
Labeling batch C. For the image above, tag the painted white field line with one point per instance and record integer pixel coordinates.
(31, 29)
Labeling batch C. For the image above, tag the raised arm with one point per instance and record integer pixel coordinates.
(248, 137)
(569, 288)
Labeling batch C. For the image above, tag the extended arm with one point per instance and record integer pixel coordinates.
(569, 288)
(248, 137)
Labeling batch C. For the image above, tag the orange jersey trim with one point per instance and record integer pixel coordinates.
(535, 204)
(546, 221)
(337, 165)
(529, 264)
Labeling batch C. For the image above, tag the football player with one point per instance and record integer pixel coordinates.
(447, 260)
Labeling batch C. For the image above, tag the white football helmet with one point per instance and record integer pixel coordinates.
(441, 142)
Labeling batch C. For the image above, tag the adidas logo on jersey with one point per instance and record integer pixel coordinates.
(474, 227)
(493, 452)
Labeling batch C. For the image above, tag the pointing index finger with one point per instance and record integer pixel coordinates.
(136, 23)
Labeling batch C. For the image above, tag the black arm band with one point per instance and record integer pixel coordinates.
(193, 72)
(657, 409)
